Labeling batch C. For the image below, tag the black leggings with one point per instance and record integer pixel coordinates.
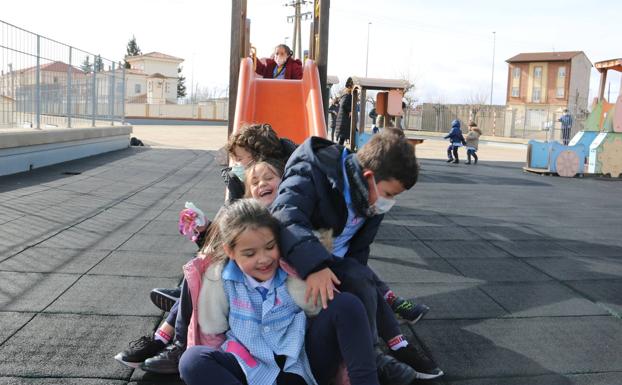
(452, 149)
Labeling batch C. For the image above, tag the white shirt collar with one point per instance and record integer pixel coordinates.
(253, 283)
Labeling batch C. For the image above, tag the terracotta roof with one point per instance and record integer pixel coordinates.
(56, 66)
(155, 55)
(543, 56)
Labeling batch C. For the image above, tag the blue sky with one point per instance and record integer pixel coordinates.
(445, 47)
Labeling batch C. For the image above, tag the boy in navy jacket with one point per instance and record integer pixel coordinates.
(327, 187)
(456, 140)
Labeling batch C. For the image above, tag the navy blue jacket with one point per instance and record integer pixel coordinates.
(455, 135)
(310, 198)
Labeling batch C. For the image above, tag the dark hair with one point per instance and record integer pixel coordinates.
(349, 83)
(233, 220)
(242, 215)
(288, 51)
(390, 156)
(259, 139)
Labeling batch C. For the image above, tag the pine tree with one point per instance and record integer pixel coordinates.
(132, 50)
(86, 65)
(98, 64)
(181, 84)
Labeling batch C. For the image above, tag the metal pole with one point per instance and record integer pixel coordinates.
(367, 54)
(69, 69)
(112, 96)
(492, 78)
(123, 95)
(355, 95)
(93, 93)
(38, 85)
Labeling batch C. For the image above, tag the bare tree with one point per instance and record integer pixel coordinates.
(409, 92)
(475, 101)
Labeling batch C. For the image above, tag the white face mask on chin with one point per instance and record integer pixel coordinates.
(280, 60)
(382, 204)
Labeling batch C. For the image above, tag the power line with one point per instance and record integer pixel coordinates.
(296, 18)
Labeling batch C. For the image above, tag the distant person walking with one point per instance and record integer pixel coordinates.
(345, 113)
(373, 115)
(472, 142)
(456, 140)
(333, 110)
(566, 121)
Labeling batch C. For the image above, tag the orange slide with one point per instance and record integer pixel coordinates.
(293, 107)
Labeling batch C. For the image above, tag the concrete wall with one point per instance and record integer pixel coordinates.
(212, 109)
(26, 150)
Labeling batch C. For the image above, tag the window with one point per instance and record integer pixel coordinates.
(560, 92)
(137, 88)
(55, 80)
(516, 73)
(515, 92)
(535, 95)
(537, 72)
(561, 72)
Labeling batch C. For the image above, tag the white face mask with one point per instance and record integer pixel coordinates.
(239, 171)
(382, 204)
(280, 60)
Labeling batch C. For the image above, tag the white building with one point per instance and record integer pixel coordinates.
(152, 79)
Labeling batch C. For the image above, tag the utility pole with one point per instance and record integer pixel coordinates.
(296, 18)
(492, 80)
(367, 54)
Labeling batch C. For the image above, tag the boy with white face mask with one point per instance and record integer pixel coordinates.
(325, 186)
(281, 65)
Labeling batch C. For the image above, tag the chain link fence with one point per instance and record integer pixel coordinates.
(45, 83)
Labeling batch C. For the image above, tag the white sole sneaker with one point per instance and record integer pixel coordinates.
(134, 365)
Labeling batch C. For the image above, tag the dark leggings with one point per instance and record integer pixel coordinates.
(452, 149)
(361, 281)
(339, 333)
(471, 153)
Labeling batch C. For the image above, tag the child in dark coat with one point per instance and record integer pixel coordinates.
(327, 187)
(456, 140)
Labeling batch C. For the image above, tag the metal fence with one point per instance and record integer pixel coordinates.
(46, 83)
(531, 122)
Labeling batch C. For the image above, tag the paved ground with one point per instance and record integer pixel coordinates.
(523, 272)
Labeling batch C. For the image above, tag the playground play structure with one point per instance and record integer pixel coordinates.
(596, 150)
(302, 104)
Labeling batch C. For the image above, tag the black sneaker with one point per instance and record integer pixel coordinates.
(416, 358)
(456, 161)
(409, 310)
(167, 362)
(393, 372)
(164, 299)
(450, 160)
(139, 350)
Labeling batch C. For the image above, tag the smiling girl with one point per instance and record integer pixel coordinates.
(267, 340)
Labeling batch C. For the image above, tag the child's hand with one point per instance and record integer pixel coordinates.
(321, 283)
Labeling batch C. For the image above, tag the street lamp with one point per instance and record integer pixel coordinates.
(492, 78)
(367, 55)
